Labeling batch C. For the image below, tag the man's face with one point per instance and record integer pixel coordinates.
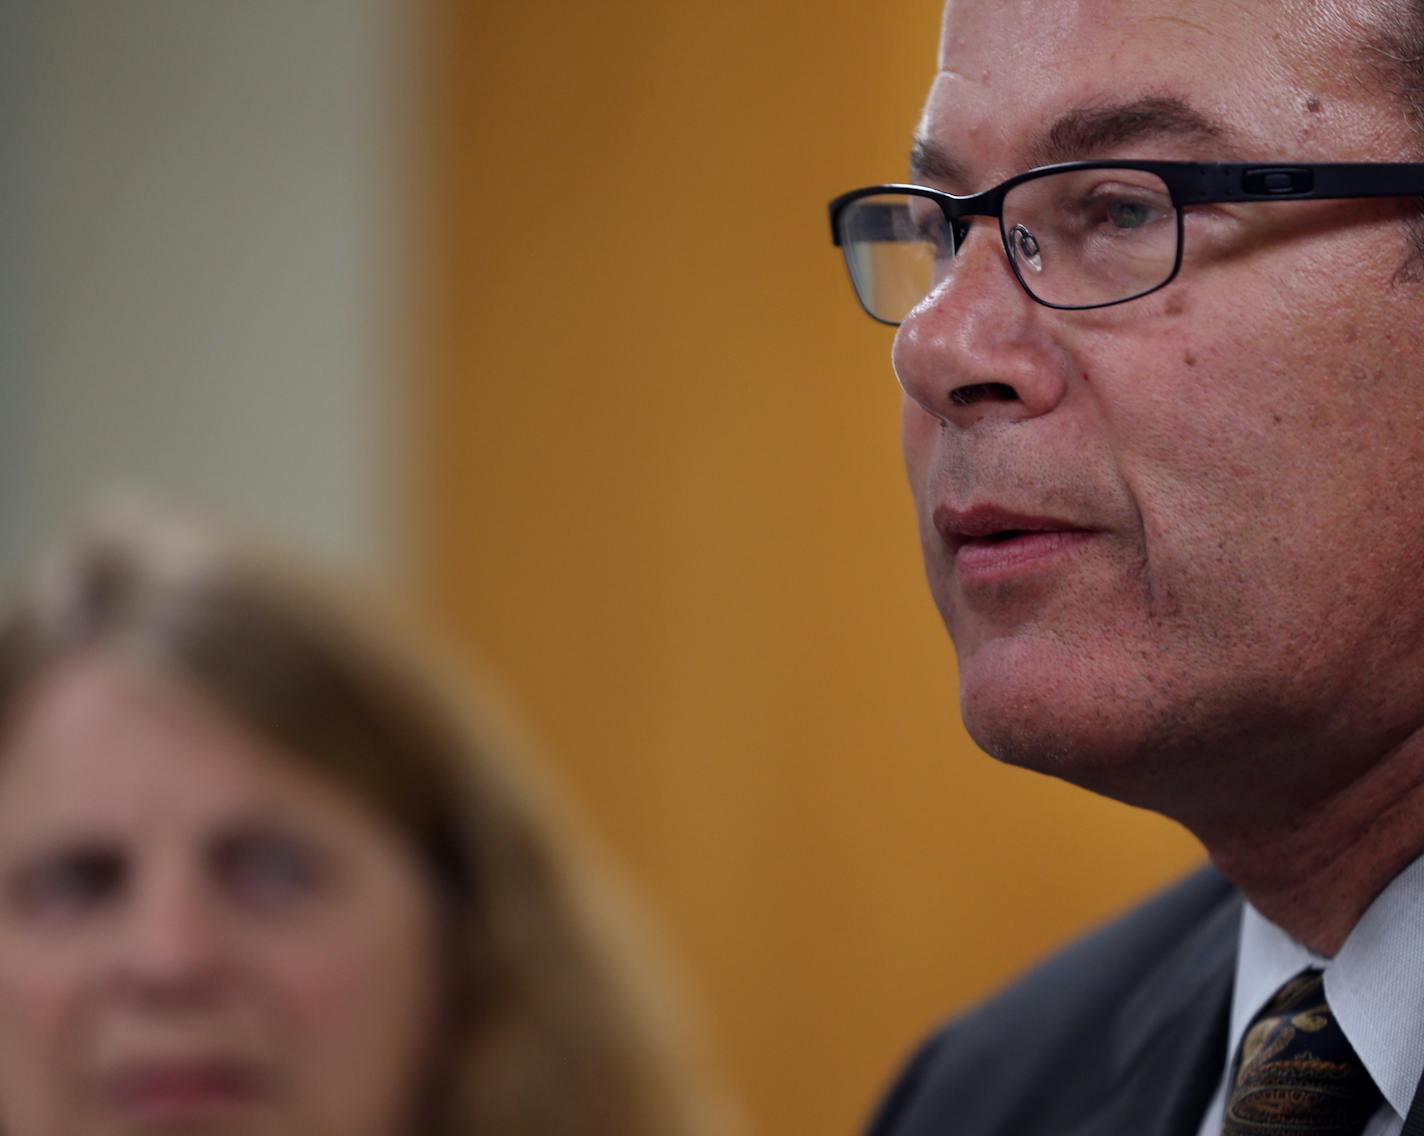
(1234, 465)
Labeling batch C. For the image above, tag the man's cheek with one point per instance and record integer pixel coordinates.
(919, 435)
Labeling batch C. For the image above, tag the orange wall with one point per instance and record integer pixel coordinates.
(662, 493)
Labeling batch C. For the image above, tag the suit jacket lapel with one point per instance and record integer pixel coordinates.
(1166, 1050)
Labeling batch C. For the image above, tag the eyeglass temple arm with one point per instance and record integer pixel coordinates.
(1242, 181)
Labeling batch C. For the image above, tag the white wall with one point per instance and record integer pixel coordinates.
(202, 222)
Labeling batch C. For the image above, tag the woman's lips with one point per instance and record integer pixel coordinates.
(183, 1088)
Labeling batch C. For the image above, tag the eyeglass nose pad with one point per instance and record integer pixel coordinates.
(1023, 245)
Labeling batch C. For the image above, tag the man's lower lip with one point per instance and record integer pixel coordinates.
(986, 559)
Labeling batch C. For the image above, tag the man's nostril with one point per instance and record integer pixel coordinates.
(982, 392)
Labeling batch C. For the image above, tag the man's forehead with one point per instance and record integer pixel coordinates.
(1063, 26)
(975, 31)
(1027, 82)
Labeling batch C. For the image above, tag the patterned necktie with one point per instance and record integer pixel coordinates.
(1296, 1072)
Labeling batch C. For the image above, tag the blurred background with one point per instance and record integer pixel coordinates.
(531, 310)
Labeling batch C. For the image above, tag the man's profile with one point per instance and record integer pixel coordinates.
(1161, 336)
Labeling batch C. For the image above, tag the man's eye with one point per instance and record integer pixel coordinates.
(928, 227)
(68, 883)
(1128, 214)
(269, 868)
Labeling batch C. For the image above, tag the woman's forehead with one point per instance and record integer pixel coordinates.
(101, 737)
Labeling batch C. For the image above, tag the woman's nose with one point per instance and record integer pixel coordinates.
(170, 948)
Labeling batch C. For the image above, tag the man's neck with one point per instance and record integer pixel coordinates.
(1315, 871)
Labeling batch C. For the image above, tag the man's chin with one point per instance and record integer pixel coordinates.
(1046, 708)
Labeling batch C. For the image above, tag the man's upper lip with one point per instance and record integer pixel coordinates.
(956, 526)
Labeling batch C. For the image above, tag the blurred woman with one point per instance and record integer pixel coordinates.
(258, 876)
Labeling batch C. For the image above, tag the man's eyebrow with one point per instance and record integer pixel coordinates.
(1088, 131)
(929, 161)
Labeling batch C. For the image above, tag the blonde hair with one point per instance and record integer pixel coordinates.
(553, 1028)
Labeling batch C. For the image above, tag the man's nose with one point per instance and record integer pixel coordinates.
(979, 346)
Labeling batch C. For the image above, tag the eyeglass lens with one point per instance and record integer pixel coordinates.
(1078, 239)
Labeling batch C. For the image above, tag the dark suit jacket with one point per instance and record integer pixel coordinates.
(1121, 1034)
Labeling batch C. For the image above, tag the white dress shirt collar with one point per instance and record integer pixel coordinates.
(1375, 986)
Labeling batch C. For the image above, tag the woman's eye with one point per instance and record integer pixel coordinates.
(269, 868)
(68, 883)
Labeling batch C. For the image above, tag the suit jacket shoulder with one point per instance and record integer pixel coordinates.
(1123, 1033)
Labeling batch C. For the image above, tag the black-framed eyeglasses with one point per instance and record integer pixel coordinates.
(1078, 235)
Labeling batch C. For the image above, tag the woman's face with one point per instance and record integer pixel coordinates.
(198, 934)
